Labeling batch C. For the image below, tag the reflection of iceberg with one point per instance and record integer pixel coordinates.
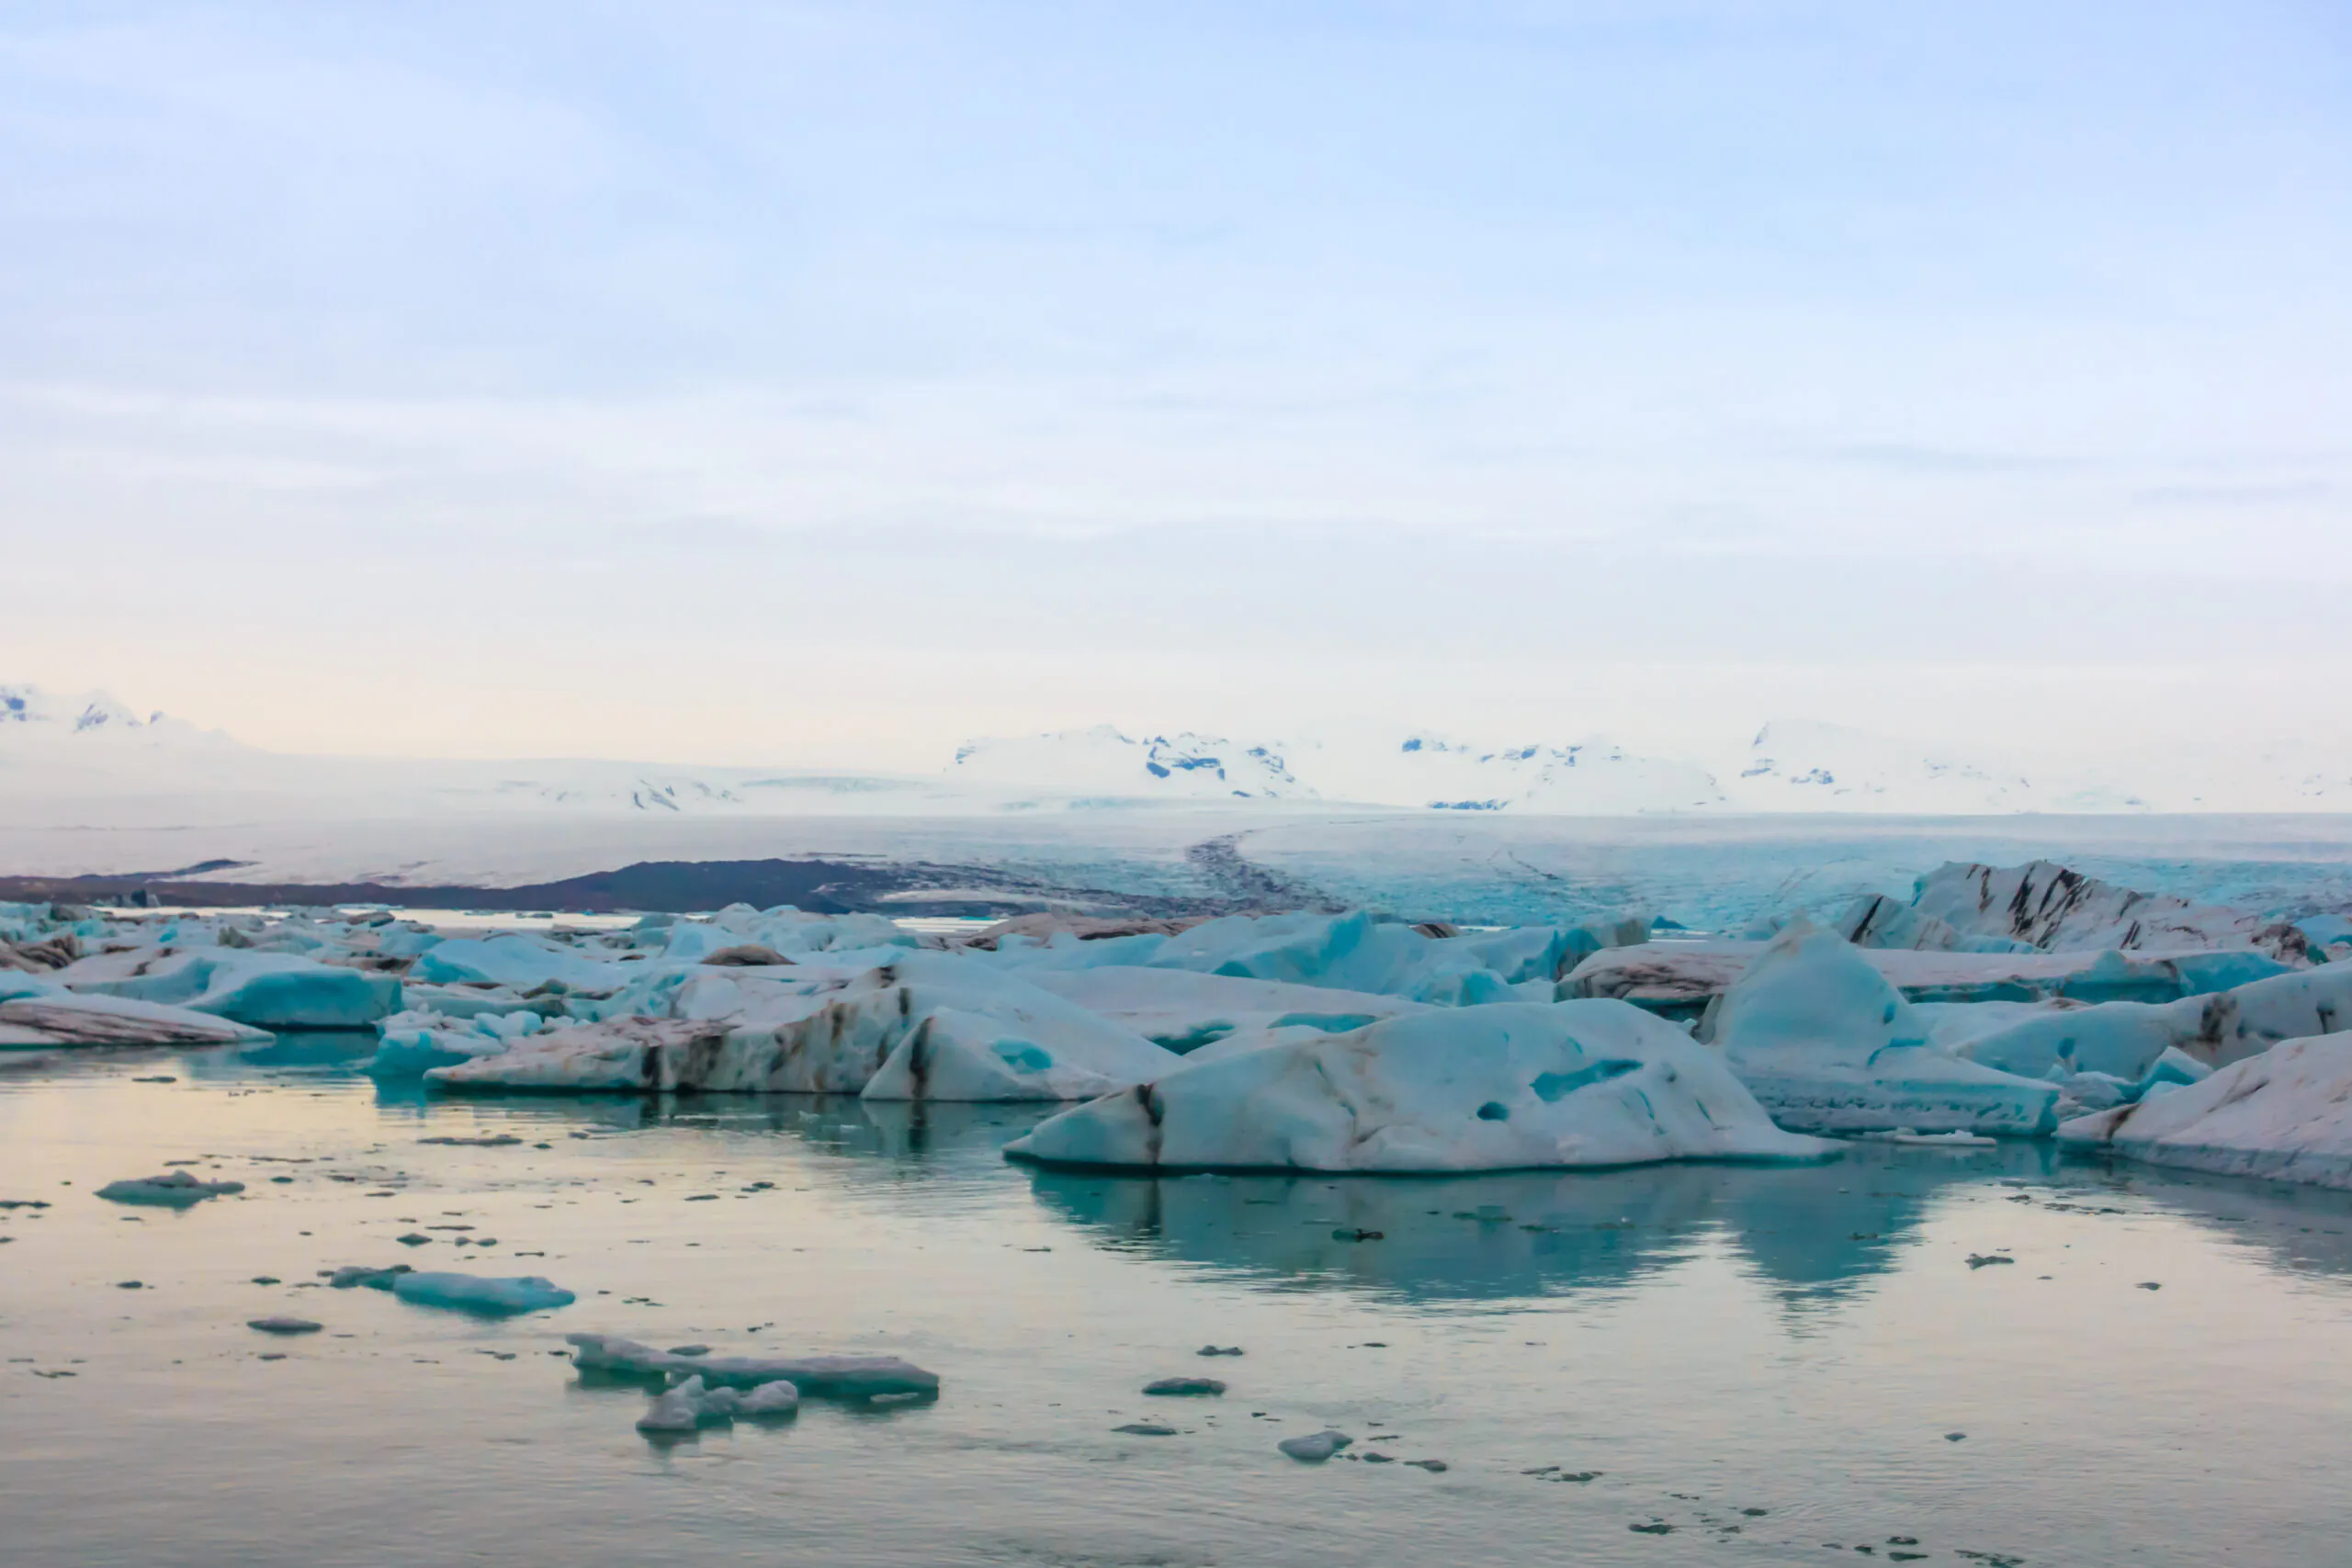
(1815, 1232)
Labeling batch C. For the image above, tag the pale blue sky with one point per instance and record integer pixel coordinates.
(825, 382)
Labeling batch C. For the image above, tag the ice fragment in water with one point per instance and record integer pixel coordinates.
(176, 1190)
(1316, 1447)
(480, 1293)
(1185, 1386)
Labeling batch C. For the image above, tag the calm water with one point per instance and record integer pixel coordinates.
(1711, 1339)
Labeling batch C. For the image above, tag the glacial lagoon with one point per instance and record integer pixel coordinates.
(1984, 1356)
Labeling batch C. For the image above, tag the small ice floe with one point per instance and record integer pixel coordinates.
(352, 1274)
(284, 1325)
(1146, 1430)
(488, 1295)
(691, 1405)
(1316, 1447)
(176, 1190)
(817, 1377)
(1185, 1386)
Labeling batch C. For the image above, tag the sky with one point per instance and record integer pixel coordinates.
(826, 383)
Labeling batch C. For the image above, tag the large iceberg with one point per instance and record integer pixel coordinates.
(34, 1012)
(2055, 908)
(1506, 1087)
(1678, 979)
(922, 1026)
(1828, 1045)
(2126, 1039)
(2284, 1115)
(268, 990)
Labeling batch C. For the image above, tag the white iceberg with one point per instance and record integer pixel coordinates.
(1828, 1045)
(1502, 1087)
(2284, 1115)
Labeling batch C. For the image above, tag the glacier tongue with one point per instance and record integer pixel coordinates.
(1828, 1045)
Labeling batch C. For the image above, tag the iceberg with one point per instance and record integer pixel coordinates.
(2049, 906)
(516, 960)
(268, 990)
(2127, 1039)
(2284, 1115)
(1678, 979)
(1828, 1045)
(1508, 1087)
(922, 1026)
(35, 1012)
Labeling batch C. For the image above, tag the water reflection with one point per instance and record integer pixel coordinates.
(1815, 1232)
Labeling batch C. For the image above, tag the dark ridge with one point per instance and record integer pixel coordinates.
(823, 887)
(673, 886)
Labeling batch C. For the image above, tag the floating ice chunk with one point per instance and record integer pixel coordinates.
(687, 1407)
(2127, 1039)
(1828, 1045)
(769, 1401)
(38, 1012)
(353, 1274)
(816, 1377)
(2284, 1115)
(176, 1191)
(1186, 1387)
(1316, 1447)
(518, 960)
(1678, 979)
(1478, 1089)
(268, 990)
(484, 1294)
(690, 1403)
(923, 1026)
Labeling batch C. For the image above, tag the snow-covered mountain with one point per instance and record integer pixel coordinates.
(70, 751)
(1102, 760)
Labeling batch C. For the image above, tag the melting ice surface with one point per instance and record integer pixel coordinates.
(1699, 1340)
